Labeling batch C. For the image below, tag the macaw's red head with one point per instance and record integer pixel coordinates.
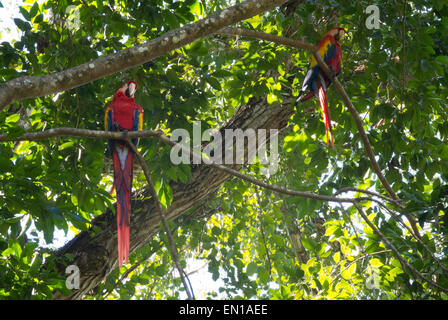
(337, 33)
(129, 88)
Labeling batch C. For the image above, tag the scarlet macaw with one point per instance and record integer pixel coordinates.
(123, 114)
(317, 81)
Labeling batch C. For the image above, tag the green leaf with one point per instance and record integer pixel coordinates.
(33, 11)
(309, 243)
(251, 268)
(163, 199)
(24, 13)
(214, 83)
(76, 218)
(337, 257)
(12, 118)
(22, 25)
(17, 249)
(66, 145)
(48, 229)
(348, 272)
(442, 59)
(171, 19)
(196, 8)
(39, 18)
(216, 231)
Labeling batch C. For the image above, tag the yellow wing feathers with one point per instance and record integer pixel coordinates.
(323, 49)
(106, 119)
(140, 121)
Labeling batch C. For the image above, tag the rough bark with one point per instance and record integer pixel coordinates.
(95, 252)
(36, 86)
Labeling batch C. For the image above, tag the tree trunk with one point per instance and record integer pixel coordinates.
(95, 252)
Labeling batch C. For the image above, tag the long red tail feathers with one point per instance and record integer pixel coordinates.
(326, 114)
(123, 238)
(122, 160)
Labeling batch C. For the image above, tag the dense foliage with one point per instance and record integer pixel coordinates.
(259, 244)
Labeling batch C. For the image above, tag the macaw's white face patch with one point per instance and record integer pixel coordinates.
(132, 88)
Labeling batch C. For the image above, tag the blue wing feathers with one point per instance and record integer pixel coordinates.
(331, 52)
(110, 142)
(136, 126)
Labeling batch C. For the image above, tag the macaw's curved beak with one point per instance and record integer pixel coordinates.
(130, 90)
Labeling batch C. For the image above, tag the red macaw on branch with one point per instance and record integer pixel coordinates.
(123, 114)
(316, 81)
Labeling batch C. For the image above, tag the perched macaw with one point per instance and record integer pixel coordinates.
(123, 114)
(316, 81)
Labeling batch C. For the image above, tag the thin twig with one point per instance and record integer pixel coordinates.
(162, 214)
(268, 257)
(371, 193)
(366, 255)
(397, 254)
(419, 240)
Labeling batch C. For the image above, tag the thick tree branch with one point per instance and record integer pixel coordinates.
(73, 132)
(36, 86)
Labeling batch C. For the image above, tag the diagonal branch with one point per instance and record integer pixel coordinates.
(162, 213)
(397, 254)
(36, 86)
(300, 44)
